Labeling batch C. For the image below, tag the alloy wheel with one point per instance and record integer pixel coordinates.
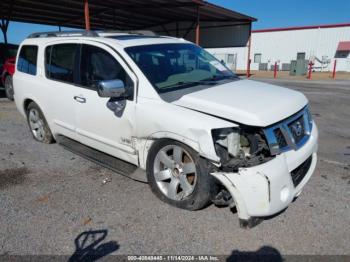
(36, 124)
(175, 172)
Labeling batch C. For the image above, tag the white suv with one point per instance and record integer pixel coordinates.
(166, 106)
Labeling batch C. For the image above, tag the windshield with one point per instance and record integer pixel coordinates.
(174, 66)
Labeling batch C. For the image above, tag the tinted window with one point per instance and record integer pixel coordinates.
(27, 59)
(97, 64)
(60, 60)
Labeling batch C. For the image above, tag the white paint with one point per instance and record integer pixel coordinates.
(247, 102)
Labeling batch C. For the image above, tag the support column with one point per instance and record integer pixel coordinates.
(197, 27)
(4, 24)
(87, 15)
(249, 46)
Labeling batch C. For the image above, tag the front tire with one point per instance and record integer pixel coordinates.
(9, 87)
(177, 175)
(38, 125)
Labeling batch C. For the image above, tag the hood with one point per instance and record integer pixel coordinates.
(243, 101)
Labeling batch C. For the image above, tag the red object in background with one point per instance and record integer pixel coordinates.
(8, 68)
(248, 69)
(310, 70)
(334, 68)
(87, 15)
(275, 70)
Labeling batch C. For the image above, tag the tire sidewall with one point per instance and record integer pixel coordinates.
(48, 138)
(8, 78)
(200, 197)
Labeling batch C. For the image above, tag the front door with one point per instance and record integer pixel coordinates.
(97, 125)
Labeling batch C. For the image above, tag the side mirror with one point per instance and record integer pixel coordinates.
(111, 88)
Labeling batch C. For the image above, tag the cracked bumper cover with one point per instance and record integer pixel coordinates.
(267, 189)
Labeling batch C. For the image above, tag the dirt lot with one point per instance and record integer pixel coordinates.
(49, 197)
(315, 76)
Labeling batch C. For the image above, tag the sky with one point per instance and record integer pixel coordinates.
(270, 14)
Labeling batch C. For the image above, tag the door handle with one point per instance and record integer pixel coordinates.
(80, 99)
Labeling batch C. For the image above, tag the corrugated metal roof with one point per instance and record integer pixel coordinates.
(344, 46)
(116, 14)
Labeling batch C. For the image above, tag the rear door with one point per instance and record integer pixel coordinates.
(60, 70)
(97, 125)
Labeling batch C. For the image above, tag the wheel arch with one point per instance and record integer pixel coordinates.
(145, 144)
(26, 103)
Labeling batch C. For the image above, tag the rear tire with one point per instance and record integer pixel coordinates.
(9, 87)
(177, 175)
(38, 125)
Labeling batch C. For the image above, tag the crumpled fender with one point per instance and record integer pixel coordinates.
(187, 126)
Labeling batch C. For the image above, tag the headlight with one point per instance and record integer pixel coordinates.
(309, 116)
(240, 147)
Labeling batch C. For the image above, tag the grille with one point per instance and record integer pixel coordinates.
(281, 141)
(297, 128)
(299, 173)
(290, 133)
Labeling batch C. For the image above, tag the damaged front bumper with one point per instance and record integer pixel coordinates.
(269, 188)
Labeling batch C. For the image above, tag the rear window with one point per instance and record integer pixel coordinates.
(27, 59)
(60, 60)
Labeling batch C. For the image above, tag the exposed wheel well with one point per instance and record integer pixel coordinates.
(26, 104)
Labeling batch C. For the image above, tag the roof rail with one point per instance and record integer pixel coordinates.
(132, 32)
(64, 34)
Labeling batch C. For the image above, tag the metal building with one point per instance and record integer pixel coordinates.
(321, 45)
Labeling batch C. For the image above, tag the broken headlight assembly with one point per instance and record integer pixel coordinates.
(240, 147)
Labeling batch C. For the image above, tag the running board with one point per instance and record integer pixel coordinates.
(117, 165)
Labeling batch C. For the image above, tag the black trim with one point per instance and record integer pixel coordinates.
(36, 62)
(115, 164)
(75, 58)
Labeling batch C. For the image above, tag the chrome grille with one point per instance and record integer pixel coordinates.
(297, 129)
(281, 141)
(291, 133)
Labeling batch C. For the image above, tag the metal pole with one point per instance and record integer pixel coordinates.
(4, 26)
(310, 70)
(249, 45)
(334, 68)
(275, 71)
(197, 27)
(87, 15)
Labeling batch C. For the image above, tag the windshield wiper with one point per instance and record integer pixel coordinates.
(217, 78)
(183, 84)
(208, 81)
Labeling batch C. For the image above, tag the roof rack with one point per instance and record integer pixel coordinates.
(131, 32)
(64, 34)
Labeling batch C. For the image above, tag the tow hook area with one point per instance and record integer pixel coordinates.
(221, 197)
(250, 222)
(231, 194)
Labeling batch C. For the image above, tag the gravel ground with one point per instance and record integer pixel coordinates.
(49, 197)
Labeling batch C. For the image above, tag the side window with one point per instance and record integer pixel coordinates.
(27, 59)
(97, 65)
(60, 61)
